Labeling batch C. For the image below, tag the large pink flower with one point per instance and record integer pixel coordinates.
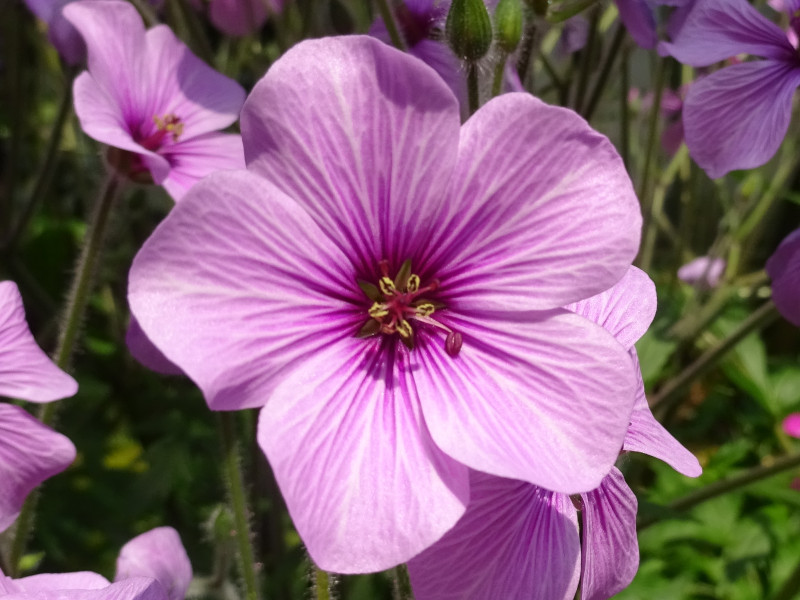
(518, 541)
(387, 284)
(145, 93)
(29, 451)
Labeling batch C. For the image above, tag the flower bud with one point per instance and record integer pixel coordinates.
(508, 24)
(469, 29)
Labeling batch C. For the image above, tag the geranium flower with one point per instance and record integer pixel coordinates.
(29, 451)
(152, 566)
(791, 425)
(64, 37)
(147, 95)
(783, 267)
(703, 271)
(239, 17)
(519, 541)
(737, 117)
(639, 19)
(387, 284)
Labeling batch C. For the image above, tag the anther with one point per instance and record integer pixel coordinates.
(453, 343)
(413, 283)
(387, 286)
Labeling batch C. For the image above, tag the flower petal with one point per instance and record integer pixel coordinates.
(737, 117)
(715, 30)
(648, 436)
(625, 310)
(364, 483)
(543, 397)
(137, 588)
(26, 372)
(542, 212)
(44, 582)
(159, 554)
(610, 547)
(783, 267)
(791, 425)
(516, 542)
(146, 353)
(703, 271)
(239, 17)
(29, 453)
(637, 16)
(236, 284)
(195, 158)
(362, 135)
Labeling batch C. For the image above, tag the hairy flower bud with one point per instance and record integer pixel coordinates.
(508, 24)
(468, 29)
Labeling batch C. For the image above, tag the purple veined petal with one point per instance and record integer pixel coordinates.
(624, 310)
(44, 582)
(26, 372)
(159, 554)
(791, 425)
(638, 18)
(648, 436)
(610, 548)
(362, 135)
(516, 542)
(437, 55)
(137, 588)
(103, 119)
(240, 17)
(714, 30)
(704, 271)
(737, 117)
(29, 453)
(365, 485)
(114, 36)
(541, 397)
(146, 353)
(541, 212)
(7, 585)
(783, 267)
(264, 289)
(195, 158)
(176, 82)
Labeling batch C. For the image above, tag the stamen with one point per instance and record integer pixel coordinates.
(387, 286)
(404, 329)
(453, 343)
(425, 309)
(413, 284)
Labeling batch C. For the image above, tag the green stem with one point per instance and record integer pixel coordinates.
(472, 87)
(718, 488)
(238, 501)
(499, 72)
(586, 60)
(652, 134)
(45, 174)
(526, 52)
(73, 317)
(324, 584)
(391, 24)
(790, 588)
(624, 111)
(402, 584)
(605, 71)
(12, 47)
(762, 317)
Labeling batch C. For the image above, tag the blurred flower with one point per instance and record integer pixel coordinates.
(737, 117)
(703, 271)
(158, 554)
(573, 36)
(387, 284)
(783, 267)
(64, 37)
(146, 95)
(29, 451)
(638, 16)
(519, 541)
(791, 425)
(239, 17)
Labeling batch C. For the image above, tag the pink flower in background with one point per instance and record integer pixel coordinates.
(146, 94)
(639, 19)
(152, 566)
(387, 284)
(736, 117)
(784, 269)
(239, 17)
(703, 271)
(518, 541)
(64, 37)
(29, 451)
(791, 425)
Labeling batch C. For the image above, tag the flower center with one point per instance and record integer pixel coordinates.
(166, 125)
(398, 302)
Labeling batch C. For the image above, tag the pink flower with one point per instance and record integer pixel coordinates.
(518, 541)
(703, 271)
(29, 451)
(791, 425)
(146, 94)
(387, 284)
(239, 17)
(64, 37)
(784, 269)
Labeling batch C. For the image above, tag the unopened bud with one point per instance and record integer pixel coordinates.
(469, 29)
(508, 24)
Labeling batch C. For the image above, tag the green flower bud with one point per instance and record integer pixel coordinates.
(469, 29)
(508, 24)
